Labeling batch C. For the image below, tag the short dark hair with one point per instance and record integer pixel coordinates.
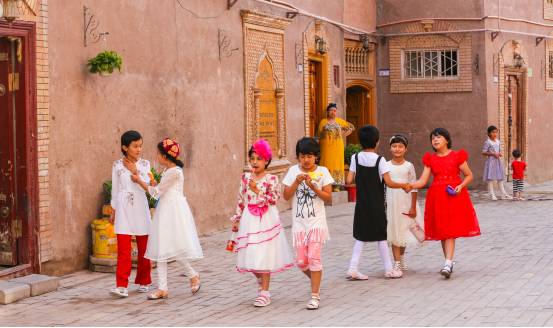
(517, 153)
(368, 136)
(441, 132)
(165, 154)
(127, 138)
(308, 146)
(491, 129)
(331, 106)
(399, 138)
(251, 152)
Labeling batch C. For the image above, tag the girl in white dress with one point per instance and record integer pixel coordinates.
(130, 213)
(173, 233)
(261, 244)
(402, 208)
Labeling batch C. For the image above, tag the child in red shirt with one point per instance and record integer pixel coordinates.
(518, 167)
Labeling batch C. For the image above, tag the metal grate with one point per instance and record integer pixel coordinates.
(431, 64)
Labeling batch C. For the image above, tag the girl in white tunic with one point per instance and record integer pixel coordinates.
(402, 209)
(173, 233)
(261, 244)
(130, 213)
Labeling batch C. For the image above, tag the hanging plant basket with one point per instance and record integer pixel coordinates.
(105, 63)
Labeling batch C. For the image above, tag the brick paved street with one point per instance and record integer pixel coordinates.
(504, 277)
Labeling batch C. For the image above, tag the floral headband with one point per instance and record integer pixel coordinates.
(262, 148)
(171, 147)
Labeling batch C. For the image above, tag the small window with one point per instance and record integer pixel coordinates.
(431, 64)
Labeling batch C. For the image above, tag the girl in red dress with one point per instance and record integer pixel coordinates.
(449, 213)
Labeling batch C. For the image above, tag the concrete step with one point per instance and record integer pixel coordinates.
(102, 261)
(39, 283)
(13, 291)
(102, 268)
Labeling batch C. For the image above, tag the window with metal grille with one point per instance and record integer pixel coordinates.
(431, 64)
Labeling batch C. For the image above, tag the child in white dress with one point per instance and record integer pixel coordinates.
(261, 244)
(173, 233)
(130, 213)
(402, 208)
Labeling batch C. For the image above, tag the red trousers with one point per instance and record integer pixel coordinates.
(124, 261)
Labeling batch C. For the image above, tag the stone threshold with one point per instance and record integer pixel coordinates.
(28, 286)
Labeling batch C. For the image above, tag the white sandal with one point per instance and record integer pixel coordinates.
(356, 275)
(262, 300)
(314, 302)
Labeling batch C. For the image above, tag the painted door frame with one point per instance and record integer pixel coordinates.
(28, 256)
(322, 96)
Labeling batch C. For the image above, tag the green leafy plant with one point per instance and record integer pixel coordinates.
(105, 62)
(157, 177)
(350, 150)
(106, 190)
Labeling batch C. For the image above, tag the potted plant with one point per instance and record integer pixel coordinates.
(350, 150)
(106, 191)
(105, 63)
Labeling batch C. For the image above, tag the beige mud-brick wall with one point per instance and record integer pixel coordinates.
(43, 125)
(548, 9)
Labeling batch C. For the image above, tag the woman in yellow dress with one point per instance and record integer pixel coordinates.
(332, 131)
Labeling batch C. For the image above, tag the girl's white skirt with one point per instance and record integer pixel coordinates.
(261, 244)
(173, 231)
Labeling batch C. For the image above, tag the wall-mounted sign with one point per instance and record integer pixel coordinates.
(384, 72)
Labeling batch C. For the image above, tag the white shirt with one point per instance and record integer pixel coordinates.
(132, 213)
(369, 159)
(308, 210)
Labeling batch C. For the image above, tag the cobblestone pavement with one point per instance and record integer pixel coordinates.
(504, 277)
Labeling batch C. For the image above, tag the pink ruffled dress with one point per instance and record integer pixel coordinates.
(261, 244)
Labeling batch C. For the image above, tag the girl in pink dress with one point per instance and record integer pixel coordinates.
(449, 213)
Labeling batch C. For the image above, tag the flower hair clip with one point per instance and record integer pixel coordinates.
(171, 147)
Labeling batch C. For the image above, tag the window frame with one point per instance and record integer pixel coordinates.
(405, 77)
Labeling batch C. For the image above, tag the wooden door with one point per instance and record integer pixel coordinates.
(514, 118)
(358, 110)
(8, 165)
(316, 105)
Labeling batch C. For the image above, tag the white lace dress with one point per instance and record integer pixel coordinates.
(399, 202)
(173, 231)
(261, 242)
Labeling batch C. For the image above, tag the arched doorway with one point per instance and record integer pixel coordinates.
(359, 108)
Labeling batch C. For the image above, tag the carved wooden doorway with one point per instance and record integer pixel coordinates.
(316, 101)
(359, 110)
(515, 116)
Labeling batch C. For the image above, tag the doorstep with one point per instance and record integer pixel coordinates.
(32, 285)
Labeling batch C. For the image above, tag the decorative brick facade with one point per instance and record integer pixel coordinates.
(264, 40)
(316, 29)
(548, 9)
(549, 64)
(459, 41)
